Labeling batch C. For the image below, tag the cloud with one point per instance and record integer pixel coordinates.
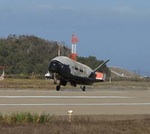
(128, 10)
(41, 7)
(122, 9)
(49, 7)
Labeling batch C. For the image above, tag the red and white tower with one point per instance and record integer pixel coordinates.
(74, 41)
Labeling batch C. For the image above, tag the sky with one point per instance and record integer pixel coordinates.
(118, 30)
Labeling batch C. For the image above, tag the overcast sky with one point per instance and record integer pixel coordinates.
(118, 30)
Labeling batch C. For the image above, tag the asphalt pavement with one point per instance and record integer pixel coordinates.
(90, 102)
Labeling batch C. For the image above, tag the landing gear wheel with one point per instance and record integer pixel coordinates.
(58, 88)
(83, 88)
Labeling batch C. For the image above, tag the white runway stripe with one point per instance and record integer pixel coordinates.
(80, 104)
(65, 97)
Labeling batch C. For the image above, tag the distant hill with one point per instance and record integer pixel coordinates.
(28, 54)
(120, 72)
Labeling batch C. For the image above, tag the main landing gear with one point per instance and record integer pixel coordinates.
(61, 82)
(83, 88)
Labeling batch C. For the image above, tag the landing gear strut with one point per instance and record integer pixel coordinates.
(83, 88)
(57, 82)
(57, 87)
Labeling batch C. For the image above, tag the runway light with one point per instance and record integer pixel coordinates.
(70, 113)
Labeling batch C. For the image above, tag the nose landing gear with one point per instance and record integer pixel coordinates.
(58, 88)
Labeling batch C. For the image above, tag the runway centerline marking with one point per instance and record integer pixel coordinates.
(80, 104)
(65, 97)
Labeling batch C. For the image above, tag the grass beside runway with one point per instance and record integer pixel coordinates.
(47, 84)
(22, 123)
(25, 118)
(26, 83)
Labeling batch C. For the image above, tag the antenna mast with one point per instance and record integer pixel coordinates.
(74, 41)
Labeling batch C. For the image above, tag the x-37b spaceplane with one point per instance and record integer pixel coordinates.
(63, 70)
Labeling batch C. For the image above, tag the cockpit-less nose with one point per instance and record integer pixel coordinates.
(55, 66)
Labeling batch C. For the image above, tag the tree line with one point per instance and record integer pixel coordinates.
(27, 55)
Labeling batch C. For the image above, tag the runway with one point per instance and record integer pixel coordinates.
(91, 102)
